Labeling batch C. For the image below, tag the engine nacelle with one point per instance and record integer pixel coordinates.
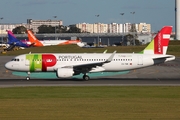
(64, 72)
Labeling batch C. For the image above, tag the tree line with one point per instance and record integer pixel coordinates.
(48, 29)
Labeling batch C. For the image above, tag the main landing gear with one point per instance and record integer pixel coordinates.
(86, 77)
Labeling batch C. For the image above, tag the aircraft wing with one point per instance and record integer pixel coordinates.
(89, 66)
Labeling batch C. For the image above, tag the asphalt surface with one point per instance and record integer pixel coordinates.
(167, 74)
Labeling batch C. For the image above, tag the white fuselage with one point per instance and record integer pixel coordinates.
(120, 62)
(52, 42)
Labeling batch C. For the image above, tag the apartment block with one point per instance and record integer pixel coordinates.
(34, 24)
(92, 28)
(113, 27)
(144, 28)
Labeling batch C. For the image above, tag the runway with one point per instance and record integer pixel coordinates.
(167, 74)
(93, 82)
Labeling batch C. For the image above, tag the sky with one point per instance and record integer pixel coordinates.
(158, 13)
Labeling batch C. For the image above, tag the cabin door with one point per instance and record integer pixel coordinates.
(140, 60)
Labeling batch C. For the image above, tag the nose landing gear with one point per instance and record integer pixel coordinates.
(28, 77)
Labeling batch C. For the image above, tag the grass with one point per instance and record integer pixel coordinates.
(174, 49)
(132, 103)
(73, 49)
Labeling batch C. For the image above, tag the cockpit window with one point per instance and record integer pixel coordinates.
(15, 59)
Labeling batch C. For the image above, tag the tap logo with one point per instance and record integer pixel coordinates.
(48, 60)
(40, 62)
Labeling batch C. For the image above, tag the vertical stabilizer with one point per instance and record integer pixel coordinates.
(12, 40)
(159, 44)
(34, 41)
(11, 37)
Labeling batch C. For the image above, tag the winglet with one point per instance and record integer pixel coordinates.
(105, 51)
(110, 58)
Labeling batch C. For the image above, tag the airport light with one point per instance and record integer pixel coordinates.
(122, 27)
(97, 23)
(55, 26)
(98, 29)
(1, 29)
(133, 28)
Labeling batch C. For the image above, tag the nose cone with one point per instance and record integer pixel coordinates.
(12, 66)
(8, 66)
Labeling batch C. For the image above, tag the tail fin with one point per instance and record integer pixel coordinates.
(34, 41)
(11, 37)
(160, 42)
(12, 40)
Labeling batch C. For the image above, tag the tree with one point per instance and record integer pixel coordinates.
(130, 39)
(19, 30)
(74, 29)
(46, 29)
(134, 36)
(61, 29)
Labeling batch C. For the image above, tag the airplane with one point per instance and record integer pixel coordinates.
(66, 65)
(2, 44)
(13, 41)
(38, 43)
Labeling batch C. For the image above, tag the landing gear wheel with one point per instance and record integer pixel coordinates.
(27, 78)
(86, 77)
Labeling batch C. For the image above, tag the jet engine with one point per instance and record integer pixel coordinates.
(64, 72)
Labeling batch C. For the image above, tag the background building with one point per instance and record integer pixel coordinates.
(113, 28)
(104, 34)
(144, 28)
(92, 28)
(34, 24)
(10, 26)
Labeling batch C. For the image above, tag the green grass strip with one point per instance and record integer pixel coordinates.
(101, 103)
